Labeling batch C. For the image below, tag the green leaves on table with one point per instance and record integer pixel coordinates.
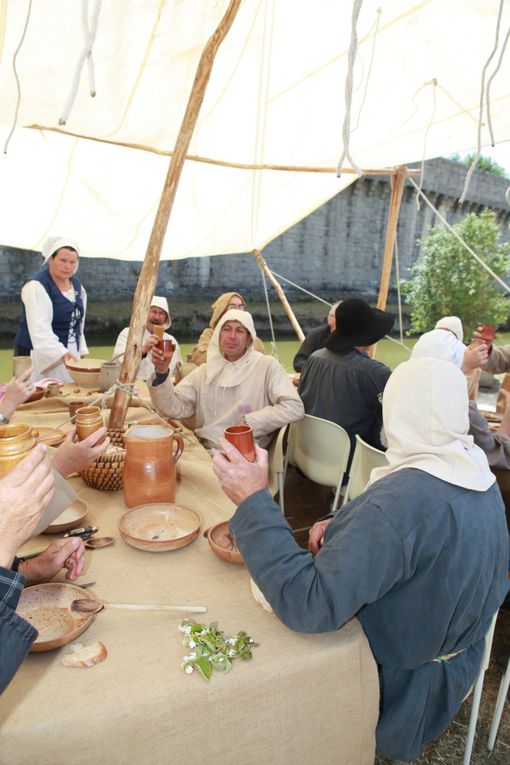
(211, 649)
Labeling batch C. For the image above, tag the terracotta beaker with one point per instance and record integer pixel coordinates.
(15, 443)
(149, 467)
(87, 420)
(108, 374)
(166, 347)
(241, 436)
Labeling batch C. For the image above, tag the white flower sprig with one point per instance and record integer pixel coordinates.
(212, 649)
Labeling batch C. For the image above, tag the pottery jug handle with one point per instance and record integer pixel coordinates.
(180, 447)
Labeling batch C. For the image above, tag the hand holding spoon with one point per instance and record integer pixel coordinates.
(89, 606)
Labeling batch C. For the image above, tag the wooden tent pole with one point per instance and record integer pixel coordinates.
(281, 294)
(148, 275)
(397, 189)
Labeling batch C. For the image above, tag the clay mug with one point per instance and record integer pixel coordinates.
(241, 436)
(149, 468)
(87, 420)
(158, 330)
(15, 443)
(167, 348)
(487, 333)
(73, 407)
(20, 364)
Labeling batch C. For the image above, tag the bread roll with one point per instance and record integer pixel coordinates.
(85, 655)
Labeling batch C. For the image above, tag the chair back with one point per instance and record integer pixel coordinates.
(364, 460)
(276, 464)
(320, 449)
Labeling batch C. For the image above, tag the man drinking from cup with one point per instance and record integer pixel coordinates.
(158, 320)
(236, 385)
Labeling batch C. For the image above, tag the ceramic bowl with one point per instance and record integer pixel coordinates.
(85, 372)
(36, 395)
(48, 608)
(222, 544)
(159, 527)
(49, 436)
(72, 518)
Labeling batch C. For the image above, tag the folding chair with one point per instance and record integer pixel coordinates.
(320, 449)
(364, 460)
(476, 689)
(277, 466)
(500, 703)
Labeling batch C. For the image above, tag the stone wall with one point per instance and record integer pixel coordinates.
(335, 251)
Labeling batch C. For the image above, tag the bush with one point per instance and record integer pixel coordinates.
(448, 281)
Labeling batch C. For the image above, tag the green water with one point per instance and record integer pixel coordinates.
(387, 351)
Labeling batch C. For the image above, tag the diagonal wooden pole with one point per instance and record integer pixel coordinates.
(397, 188)
(148, 275)
(281, 294)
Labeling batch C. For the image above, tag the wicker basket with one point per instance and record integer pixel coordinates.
(106, 473)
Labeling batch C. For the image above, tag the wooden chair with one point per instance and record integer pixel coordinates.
(320, 449)
(364, 460)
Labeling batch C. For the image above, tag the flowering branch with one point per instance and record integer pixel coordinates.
(212, 649)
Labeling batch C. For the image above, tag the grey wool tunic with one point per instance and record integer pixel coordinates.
(420, 562)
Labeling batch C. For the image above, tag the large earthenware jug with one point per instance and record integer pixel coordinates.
(15, 443)
(149, 467)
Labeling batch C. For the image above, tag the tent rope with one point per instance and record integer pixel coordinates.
(18, 84)
(375, 27)
(489, 83)
(463, 243)
(424, 153)
(353, 48)
(298, 287)
(480, 109)
(89, 34)
(274, 350)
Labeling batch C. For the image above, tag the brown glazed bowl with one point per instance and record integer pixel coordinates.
(222, 544)
(159, 526)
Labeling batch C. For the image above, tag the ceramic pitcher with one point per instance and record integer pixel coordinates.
(15, 443)
(149, 468)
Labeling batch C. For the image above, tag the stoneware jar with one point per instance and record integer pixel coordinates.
(88, 419)
(149, 468)
(108, 374)
(15, 443)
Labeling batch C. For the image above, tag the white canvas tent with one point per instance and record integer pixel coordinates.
(275, 99)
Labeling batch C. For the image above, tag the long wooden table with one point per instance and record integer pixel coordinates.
(302, 699)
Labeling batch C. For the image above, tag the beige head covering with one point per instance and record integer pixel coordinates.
(162, 302)
(425, 414)
(54, 243)
(453, 324)
(220, 306)
(230, 373)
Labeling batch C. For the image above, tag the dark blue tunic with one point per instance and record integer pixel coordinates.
(423, 566)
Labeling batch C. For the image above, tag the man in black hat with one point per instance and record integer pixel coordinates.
(341, 382)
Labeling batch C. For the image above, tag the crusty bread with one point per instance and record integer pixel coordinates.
(85, 655)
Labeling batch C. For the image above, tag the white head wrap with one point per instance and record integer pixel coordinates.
(425, 414)
(439, 344)
(231, 372)
(162, 302)
(54, 243)
(453, 324)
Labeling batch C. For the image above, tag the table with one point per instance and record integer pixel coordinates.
(302, 699)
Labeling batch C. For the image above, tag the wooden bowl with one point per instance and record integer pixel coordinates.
(85, 372)
(48, 608)
(159, 527)
(72, 518)
(222, 544)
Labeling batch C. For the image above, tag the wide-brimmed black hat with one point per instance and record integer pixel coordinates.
(358, 324)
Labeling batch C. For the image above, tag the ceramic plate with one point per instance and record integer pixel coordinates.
(222, 544)
(48, 608)
(71, 518)
(49, 436)
(159, 527)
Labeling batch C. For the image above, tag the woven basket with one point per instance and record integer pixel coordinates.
(106, 473)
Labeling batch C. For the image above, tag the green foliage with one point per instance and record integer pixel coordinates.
(212, 649)
(484, 163)
(448, 281)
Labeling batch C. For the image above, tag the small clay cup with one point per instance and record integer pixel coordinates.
(20, 364)
(167, 348)
(53, 389)
(488, 333)
(88, 419)
(158, 330)
(73, 407)
(241, 436)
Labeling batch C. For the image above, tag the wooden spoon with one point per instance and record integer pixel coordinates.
(89, 606)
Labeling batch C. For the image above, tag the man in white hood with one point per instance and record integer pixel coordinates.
(237, 384)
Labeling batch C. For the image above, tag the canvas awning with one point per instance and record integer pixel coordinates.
(275, 98)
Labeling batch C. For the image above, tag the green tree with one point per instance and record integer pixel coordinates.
(484, 163)
(448, 281)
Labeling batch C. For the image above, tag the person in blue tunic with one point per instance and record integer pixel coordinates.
(51, 329)
(420, 558)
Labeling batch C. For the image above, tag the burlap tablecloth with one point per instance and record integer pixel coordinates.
(302, 699)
